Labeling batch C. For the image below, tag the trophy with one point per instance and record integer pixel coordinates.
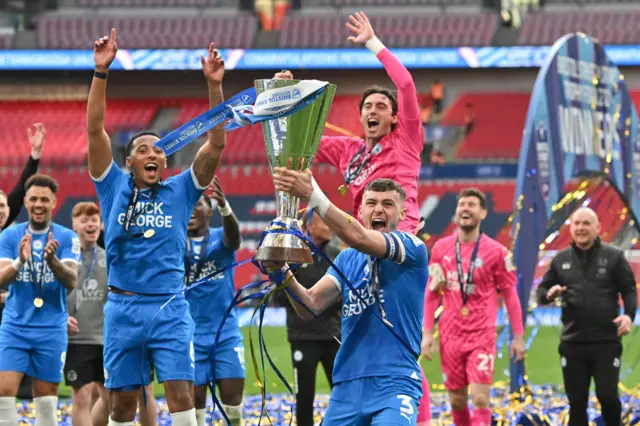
(293, 142)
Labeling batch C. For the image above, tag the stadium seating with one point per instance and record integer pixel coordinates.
(498, 122)
(610, 27)
(387, 3)
(65, 124)
(61, 31)
(246, 145)
(6, 38)
(148, 3)
(397, 30)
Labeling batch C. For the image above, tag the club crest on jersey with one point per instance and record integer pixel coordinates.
(508, 263)
(37, 245)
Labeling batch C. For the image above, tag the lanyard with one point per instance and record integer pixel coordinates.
(464, 287)
(39, 282)
(132, 215)
(90, 273)
(354, 171)
(374, 265)
(191, 277)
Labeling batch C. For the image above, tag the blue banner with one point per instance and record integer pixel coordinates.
(277, 59)
(469, 171)
(580, 119)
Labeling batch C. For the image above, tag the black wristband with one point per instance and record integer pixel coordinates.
(101, 75)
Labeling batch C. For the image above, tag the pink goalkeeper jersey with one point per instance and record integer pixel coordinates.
(400, 156)
(494, 270)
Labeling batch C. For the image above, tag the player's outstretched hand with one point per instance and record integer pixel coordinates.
(36, 133)
(24, 248)
(298, 184)
(213, 65)
(360, 26)
(428, 345)
(555, 291)
(72, 326)
(624, 324)
(518, 349)
(51, 248)
(104, 51)
(217, 193)
(283, 75)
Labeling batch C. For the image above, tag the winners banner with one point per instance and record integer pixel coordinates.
(580, 120)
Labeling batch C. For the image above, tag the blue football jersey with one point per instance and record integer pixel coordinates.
(369, 348)
(36, 279)
(149, 257)
(210, 301)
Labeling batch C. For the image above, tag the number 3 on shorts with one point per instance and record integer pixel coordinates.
(485, 362)
(406, 408)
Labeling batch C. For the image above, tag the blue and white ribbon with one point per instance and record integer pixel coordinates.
(241, 111)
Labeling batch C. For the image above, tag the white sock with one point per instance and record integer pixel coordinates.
(234, 412)
(8, 411)
(200, 416)
(184, 418)
(46, 407)
(114, 423)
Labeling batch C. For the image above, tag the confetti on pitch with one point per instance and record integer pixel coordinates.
(544, 406)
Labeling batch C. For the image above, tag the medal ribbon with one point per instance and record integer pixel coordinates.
(40, 278)
(374, 264)
(352, 172)
(464, 286)
(86, 280)
(132, 215)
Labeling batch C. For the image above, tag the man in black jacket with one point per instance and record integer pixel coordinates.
(10, 205)
(590, 276)
(312, 341)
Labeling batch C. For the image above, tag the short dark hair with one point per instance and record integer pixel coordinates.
(383, 91)
(384, 185)
(207, 200)
(473, 192)
(133, 138)
(42, 180)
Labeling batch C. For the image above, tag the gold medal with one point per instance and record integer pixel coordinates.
(38, 302)
(464, 311)
(149, 233)
(343, 189)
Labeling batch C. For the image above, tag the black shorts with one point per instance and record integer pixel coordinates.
(84, 364)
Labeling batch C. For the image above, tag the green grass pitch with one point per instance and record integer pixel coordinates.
(543, 362)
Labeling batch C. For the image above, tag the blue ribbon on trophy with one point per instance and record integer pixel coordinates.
(244, 109)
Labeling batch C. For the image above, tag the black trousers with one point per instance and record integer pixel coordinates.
(581, 362)
(306, 354)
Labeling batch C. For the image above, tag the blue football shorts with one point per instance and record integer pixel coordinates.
(136, 327)
(229, 360)
(374, 401)
(39, 353)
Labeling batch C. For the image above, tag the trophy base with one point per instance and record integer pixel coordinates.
(284, 255)
(282, 247)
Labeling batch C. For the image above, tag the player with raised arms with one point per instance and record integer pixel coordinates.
(146, 221)
(210, 249)
(393, 132)
(376, 374)
(39, 262)
(469, 268)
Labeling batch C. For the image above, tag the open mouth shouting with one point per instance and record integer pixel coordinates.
(378, 224)
(373, 124)
(151, 169)
(92, 232)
